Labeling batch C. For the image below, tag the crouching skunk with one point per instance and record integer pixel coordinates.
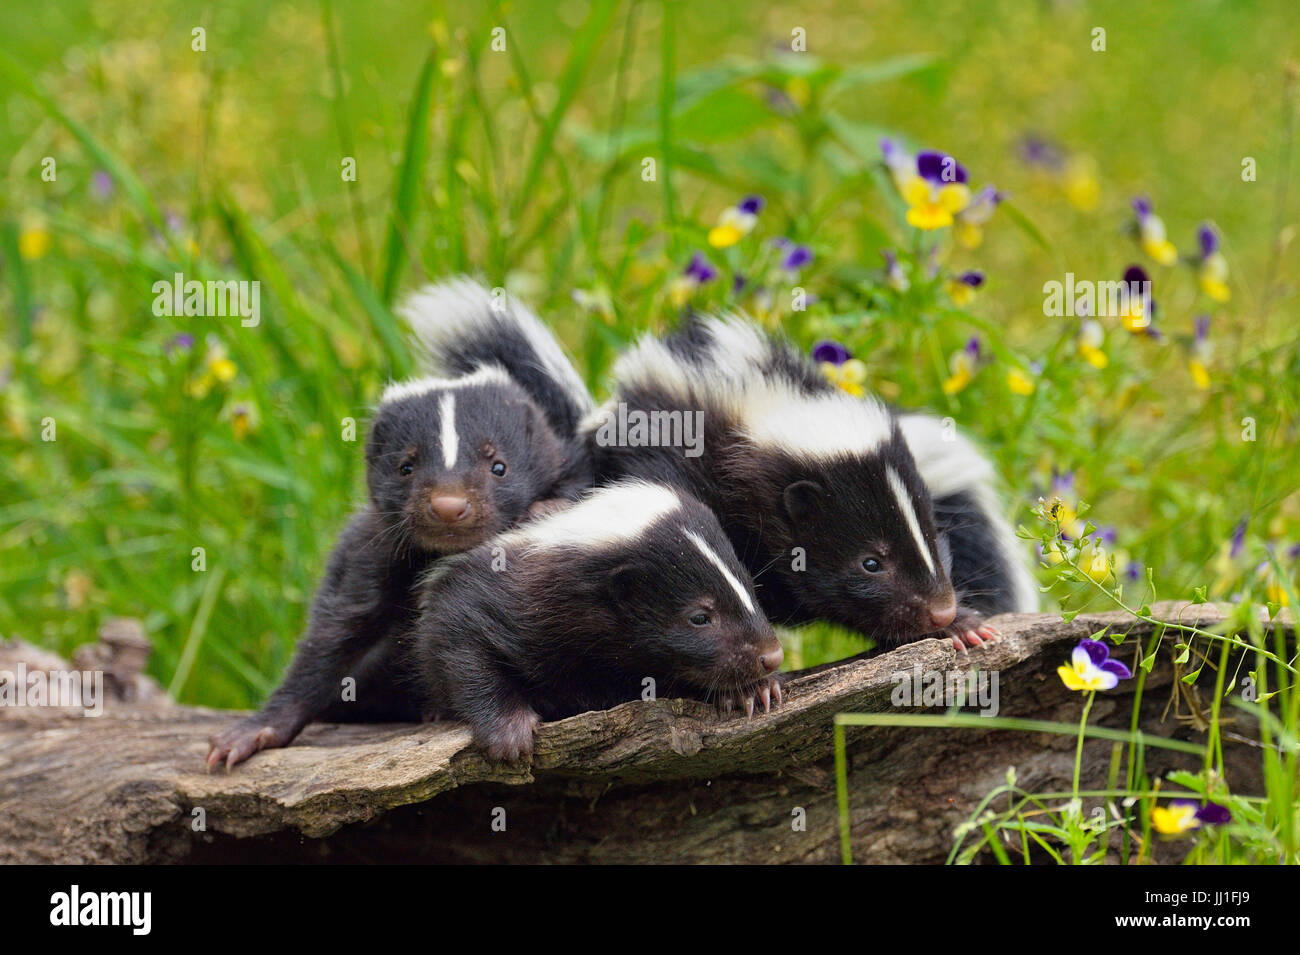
(635, 586)
(449, 463)
(840, 509)
(819, 491)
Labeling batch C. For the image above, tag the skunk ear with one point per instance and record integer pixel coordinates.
(802, 500)
(622, 582)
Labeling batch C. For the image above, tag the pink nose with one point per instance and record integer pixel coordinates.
(943, 614)
(451, 510)
(772, 659)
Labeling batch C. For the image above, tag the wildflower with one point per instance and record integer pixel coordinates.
(1151, 233)
(1212, 270)
(962, 288)
(1136, 307)
(968, 224)
(34, 240)
(101, 184)
(1200, 353)
(736, 222)
(242, 420)
(181, 341)
(796, 257)
(894, 273)
(1081, 187)
(937, 191)
(218, 369)
(1019, 383)
(1133, 571)
(963, 365)
(1091, 668)
(1037, 151)
(842, 370)
(697, 272)
(1184, 815)
(1089, 342)
(901, 166)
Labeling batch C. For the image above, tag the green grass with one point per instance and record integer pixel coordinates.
(526, 166)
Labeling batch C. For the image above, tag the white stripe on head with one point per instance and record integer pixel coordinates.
(414, 387)
(909, 514)
(447, 425)
(713, 558)
(612, 515)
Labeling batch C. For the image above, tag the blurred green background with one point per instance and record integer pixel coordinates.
(525, 166)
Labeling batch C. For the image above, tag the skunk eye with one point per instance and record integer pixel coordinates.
(499, 468)
(871, 565)
(406, 469)
(700, 619)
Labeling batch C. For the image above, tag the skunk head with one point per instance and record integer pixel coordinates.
(851, 536)
(450, 462)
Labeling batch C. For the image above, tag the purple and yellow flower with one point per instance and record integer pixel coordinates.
(698, 271)
(181, 341)
(1184, 815)
(736, 222)
(1136, 307)
(937, 193)
(1091, 668)
(1151, 233)
(840, 367)
(963, 365)
(1090, 341)
(1212, 267)
(962, 288)
(894, 273)
(968, 224)
(1201, 349)
(933, 184)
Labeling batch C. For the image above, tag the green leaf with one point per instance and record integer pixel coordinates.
(402, 213)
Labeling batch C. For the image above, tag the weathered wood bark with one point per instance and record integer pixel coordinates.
(662, 781)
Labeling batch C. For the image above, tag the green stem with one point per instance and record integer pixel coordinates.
(1078, 750)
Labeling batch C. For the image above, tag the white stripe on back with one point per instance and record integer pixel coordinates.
(447, 424)
(909, 514)
(716, 561)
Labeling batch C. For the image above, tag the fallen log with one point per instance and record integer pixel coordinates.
(657, 781)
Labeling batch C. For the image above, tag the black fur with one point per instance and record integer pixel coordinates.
(562, 630)
(837, 513)
(366, 598)
(978, 571)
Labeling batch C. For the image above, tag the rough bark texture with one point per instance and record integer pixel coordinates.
(662, 781)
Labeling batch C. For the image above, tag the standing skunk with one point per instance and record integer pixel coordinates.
(818, 490)
(581, 609)
(449, 463)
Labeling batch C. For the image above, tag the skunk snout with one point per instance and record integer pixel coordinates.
(942, 613)
(449, 508)
(771, 660)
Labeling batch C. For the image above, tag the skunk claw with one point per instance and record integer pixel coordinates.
(765, 694)
(749, 707)
(776, 692)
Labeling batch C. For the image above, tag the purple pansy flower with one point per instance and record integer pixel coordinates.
(1238, 538)
(939, 168)
(101, 184)
(796, 257)
(700, 269)
(830, 351)
(1091, 668)
(1207, 239)
(751, 205)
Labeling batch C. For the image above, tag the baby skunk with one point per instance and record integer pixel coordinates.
(987, 567)
(458, 325)
(817, 489)
(575, 611)
(449, 463)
